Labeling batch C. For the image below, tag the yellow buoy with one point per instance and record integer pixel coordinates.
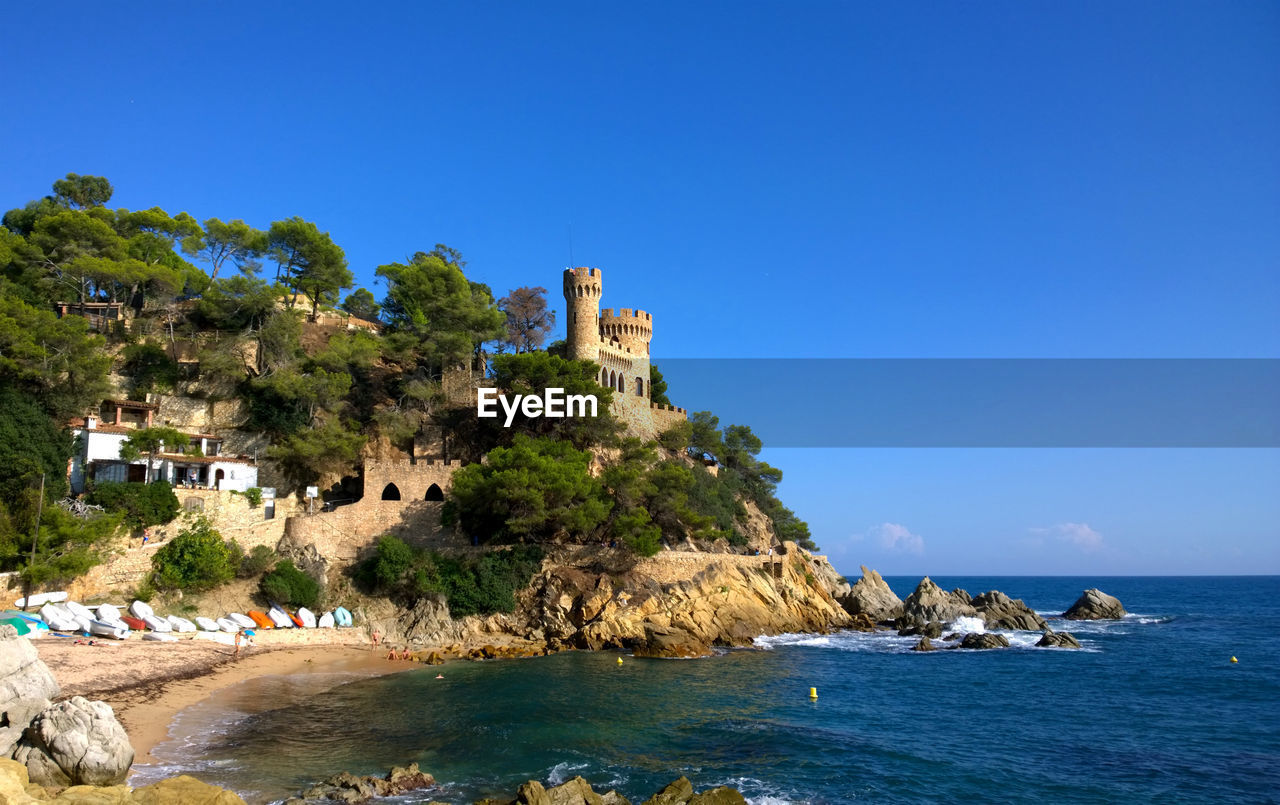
(1233, 659)
(619, 661)
(813, 693)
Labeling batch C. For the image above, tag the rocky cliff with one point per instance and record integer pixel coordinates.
(675, 604)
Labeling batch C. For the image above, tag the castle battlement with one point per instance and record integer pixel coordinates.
(625, 313)
(671, 408)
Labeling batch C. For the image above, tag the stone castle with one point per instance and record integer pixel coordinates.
(618, 342)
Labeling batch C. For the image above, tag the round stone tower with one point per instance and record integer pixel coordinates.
(582, 290)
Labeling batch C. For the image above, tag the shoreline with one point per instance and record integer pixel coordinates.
(149, 684)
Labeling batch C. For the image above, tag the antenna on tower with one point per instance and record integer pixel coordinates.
(571, 262)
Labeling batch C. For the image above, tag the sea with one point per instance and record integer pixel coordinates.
(1151, 709)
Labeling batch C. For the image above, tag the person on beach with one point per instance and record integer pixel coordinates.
(391, 655)
(239, 637)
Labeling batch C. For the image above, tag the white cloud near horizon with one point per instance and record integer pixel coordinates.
(1080, 535)
(897, 537)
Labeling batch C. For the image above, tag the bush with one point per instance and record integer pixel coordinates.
(286, 584)
(140, 504)
(196, 559)
(150, 367)
(254, 495)
(479, 586)
(255, 562)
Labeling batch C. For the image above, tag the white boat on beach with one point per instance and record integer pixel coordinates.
(228, 625)
(157, 624)
(243, 621)
(140, 610)
(326, 621)
(104, 629)
(307, 617)
(59, 619)
(280, 618)
(208, 624)
(181, 624)
(83, 615)
(109, 614)
(163, 637)
(40, 599)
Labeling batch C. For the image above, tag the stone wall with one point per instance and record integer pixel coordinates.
(231, 515)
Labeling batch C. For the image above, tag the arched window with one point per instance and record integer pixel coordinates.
(391, 492)
(604, 377)
(613, 380)
(434, 492)
(639, 387)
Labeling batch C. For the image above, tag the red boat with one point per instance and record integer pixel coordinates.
(137, 624)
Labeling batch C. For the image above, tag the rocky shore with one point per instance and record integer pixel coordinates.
(74, 750)
(353, 790)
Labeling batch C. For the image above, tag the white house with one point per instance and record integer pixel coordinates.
(201, 465)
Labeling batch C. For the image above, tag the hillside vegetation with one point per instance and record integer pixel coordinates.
(224, 310)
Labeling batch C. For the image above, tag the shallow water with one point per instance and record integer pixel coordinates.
(1150, 710)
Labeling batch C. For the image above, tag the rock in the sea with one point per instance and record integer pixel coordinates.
(670, 641)
(26, 687)
(999, 611)
(930, 602)
(871, 596)
(930, 629)
(1095, 605)
(76, 742)
(186, 790)
(1058, 640)
(350, 788)
(925, 644)
(984, 640)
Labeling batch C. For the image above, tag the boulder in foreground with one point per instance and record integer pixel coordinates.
(76, 742)
(26, 687)
(1095, 605)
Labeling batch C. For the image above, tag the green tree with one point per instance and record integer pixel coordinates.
(233, 242)
(308, 262)
(533, 373)
(329, 447)
(66, 547)
(657, 386)
(149, 368)
(704, 440)
(149, 442)
(361, 304)
(238, 303)
(196, 559)
(445, 316)
(82, 192)
(57, 361)
(536, 489)
(30, 444)
(139, 505)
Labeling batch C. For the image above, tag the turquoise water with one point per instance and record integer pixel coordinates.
(1151, 710)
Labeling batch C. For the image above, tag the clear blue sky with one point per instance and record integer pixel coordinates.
(771, 180)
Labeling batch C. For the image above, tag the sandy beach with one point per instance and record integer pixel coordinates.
(147, 683)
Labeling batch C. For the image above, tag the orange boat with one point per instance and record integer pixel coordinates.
(261, 619)
(296, 620)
